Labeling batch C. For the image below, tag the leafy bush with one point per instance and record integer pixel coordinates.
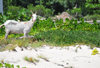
(92, 7)
(12, 11)
(17, 13)
(92, 17)
(43, 25)
(41, 10)
(2, 20)
(6, 65)
(76, 12)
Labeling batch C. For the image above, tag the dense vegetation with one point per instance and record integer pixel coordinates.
(58, 32)
(77, 8)
(49, 31)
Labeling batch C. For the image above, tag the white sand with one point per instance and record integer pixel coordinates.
(57, 57)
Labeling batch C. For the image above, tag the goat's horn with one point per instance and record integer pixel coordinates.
(31, 12)
(35, 12)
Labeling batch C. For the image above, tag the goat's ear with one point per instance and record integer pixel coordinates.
(35, 12)
(32, 12)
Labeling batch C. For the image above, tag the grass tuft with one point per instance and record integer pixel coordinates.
(31, 59)
(62, 37)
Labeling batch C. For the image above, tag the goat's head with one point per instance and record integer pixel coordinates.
(34, 16)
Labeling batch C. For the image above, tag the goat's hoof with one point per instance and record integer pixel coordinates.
(21, 37)
(30, 36)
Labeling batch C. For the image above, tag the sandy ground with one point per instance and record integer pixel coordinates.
(53, 57)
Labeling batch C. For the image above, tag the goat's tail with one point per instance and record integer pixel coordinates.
(1, 25)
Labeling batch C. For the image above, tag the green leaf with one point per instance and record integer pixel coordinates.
(95, 51)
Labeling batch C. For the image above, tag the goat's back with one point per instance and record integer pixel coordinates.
(10, 22)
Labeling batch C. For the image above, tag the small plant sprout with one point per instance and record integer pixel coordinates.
(95, 51)
(43, 57)
(18, 66)
(7, 65)
(32, 60)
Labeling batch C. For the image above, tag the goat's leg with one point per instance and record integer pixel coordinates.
(25, 34)
(7, 33)
(30, 36)
(21, 37)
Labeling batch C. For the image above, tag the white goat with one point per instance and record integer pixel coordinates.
(12, 26)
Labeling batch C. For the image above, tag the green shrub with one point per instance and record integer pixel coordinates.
(17, 13)
(2, 20)
(43, 25)
(24, 14)
(76, 12)
(92, 17)
(12, 11)
(30, 7)
(6, 65)
(41, 10)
